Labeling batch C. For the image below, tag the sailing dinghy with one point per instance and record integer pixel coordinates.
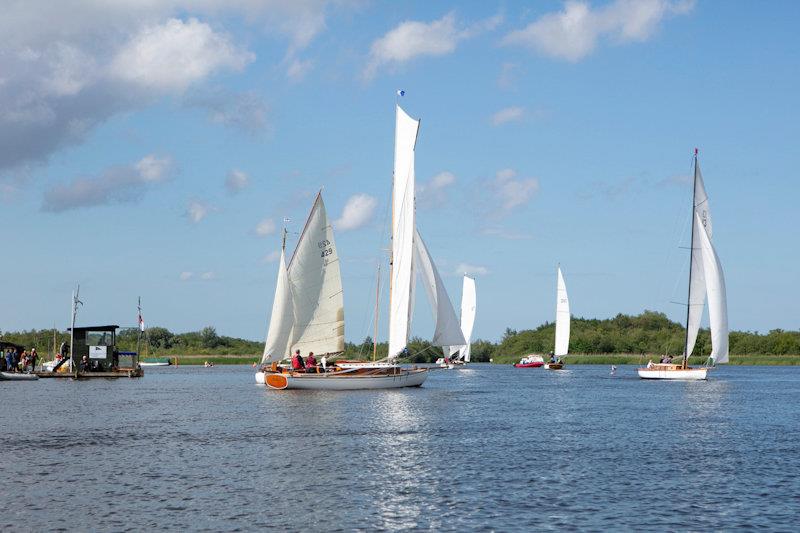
(460, 355)
(706, 279)
(562, 325)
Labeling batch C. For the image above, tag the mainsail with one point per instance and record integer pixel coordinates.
(468, 307)
(316, 285)
(562, 317)
(447, 332)
(402, 279)
(276, 346)
(697, 283)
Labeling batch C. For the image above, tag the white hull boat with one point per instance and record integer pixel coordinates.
(14, 376)
(144, 363)
(343, 380)
(675, 372)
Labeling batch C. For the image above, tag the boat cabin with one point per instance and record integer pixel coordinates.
(99, 345)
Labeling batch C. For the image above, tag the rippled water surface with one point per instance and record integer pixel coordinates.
(487, 447)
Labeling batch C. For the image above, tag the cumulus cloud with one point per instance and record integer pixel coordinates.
(186, 276)
(236, 181)
(511, 192)
(298, 69)
(412, 39)
(470, 270)
(509, 114)
(574, 32)
(117, 184)
(357, 212)
(265, 227)
(435, 191)
(196, 211)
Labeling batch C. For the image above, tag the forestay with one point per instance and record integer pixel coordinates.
(316, 285)
(562, 317)
(447, 332)
(402, 282)
(276, 346)
(717, 298)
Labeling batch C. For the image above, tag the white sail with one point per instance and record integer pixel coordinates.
(697, 284)
(562, 317)
(276, 346)
(447, 332)
(402, 280)
(717, 298)
(316, 285)
(468, 308)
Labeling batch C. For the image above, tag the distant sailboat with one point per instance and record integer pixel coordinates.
(706, 279)
(460, 355)
(562, 325)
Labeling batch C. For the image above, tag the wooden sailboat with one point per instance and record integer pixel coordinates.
(706, 279)
(562, 325)
(460, 355)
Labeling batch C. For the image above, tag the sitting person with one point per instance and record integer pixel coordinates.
(311, 363)
(552, 357)
(297, 362)
(84, 366)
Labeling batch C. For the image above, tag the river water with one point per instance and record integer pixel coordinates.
(481, 448)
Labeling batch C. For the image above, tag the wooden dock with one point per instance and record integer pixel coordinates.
(121, 373)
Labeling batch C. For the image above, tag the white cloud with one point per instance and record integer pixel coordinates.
(509, 114)
(207, 276)
(574, 32)
(434, 191)
(298, 69)
(236, 181)
(174, 55)
(197, 211)
(412, 39)
(473, 270)
(118, 184)
(511, 192)
(265, 227)
(271, 257)
(357, 212)
(186, 276)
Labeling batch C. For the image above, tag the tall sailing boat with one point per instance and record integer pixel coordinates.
(706, 279)
(562, 325)
(460, 355)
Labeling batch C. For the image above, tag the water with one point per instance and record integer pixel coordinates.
(487, 447)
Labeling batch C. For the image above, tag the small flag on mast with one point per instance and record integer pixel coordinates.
(401, 92)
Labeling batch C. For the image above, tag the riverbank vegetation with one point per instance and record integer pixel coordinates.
(619, 340)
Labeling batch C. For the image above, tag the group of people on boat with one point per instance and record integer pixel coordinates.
(308, 365)
(15, 361)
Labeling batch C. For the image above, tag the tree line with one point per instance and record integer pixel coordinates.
(649, 333)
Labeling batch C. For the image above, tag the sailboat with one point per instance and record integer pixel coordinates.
(562, 325)
(460, 355)
(706, 279)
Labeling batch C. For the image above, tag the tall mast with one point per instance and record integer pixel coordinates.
(377, 311)
(691, 261)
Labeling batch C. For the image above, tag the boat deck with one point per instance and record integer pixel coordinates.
(121, 373)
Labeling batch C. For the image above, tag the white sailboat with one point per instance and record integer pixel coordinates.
(562, 325)
(706, 279)
(460, 355)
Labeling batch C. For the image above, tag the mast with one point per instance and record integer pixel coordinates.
(75, 302)
(691, 260)
(377, 310)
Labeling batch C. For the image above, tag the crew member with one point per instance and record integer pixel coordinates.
(297, 361)
(311, 363)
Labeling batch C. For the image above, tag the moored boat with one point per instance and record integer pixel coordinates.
(530, 361)
(706, 280)
(17, 376)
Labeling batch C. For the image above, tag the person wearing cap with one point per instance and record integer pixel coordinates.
(297, 362)
(311, 363)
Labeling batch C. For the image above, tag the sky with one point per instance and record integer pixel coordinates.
(153, 149)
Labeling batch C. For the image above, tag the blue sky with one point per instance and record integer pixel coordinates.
(153, 150)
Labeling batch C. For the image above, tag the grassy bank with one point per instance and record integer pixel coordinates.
(635, 359)
(216, 359)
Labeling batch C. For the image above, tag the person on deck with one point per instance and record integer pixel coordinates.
(552, 357)
(324, 362)
(33, 358)
(311, 363)
(9, 360)
(15, 357)
(84, 366)
(297, 362)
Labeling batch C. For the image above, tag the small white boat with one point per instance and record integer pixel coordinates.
(16, 376)
(563, 317)
(705, 280)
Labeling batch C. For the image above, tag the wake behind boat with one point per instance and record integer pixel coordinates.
(705, 279)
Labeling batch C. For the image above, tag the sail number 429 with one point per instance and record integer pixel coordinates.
(324, 244)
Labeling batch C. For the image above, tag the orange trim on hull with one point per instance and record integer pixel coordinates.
(277, 381)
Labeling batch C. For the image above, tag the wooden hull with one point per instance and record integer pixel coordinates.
(674, 372)
(343, 380)
(553, 366)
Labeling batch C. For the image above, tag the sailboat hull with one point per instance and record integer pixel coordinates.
(673, 372)
(343, 381)
(553, 366)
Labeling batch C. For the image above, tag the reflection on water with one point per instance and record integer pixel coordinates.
(484, 447)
